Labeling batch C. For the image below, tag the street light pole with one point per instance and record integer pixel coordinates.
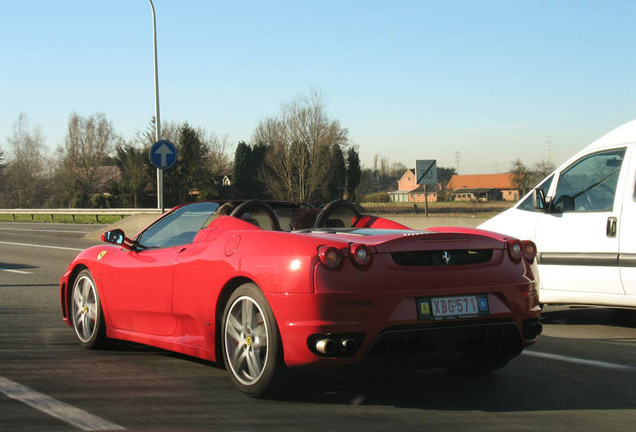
(157, 119)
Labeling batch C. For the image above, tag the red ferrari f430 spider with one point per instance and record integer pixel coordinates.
(267, 287)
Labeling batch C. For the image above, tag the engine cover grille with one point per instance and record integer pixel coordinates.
(442, 257)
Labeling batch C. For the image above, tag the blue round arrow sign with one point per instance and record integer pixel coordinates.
(163, 154)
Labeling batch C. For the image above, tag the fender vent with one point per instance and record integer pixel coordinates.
(442, 257)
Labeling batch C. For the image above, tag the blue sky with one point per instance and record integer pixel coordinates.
(492, 80)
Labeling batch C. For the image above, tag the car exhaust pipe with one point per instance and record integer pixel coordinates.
(348, 346)
(532, 330)
(327, 346)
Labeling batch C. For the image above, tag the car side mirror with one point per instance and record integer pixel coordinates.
(117, 237)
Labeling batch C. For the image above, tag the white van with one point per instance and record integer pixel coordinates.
(583, 219)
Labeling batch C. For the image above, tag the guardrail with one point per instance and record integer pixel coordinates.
(122, 212)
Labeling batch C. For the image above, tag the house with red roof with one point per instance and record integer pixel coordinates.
(484, 187)
(410, 191)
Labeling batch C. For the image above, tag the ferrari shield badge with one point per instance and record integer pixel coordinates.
(101, 255)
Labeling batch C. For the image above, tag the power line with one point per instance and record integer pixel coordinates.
(457, 159)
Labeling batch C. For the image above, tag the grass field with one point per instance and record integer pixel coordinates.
(439, 208)
(83, 219)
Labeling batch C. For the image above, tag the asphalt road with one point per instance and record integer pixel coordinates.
(580, 375)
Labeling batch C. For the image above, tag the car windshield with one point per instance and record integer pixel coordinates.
(178, 227)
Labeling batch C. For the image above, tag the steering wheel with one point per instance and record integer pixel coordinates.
(598, 197)
(322, 221)
(259, 207)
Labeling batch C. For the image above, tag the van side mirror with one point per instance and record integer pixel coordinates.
(538, 199)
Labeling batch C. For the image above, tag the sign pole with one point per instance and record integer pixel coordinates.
(425, 200)
(157, 119)
(425, 174)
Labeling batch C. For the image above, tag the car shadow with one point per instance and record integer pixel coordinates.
(16, 266)
(526, 384)
(589, 316)
(513, 389)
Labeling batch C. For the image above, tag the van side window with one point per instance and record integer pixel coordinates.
(527, 205)
(589, 185)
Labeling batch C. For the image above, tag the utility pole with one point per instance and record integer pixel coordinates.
(157, 119)
(546, 154)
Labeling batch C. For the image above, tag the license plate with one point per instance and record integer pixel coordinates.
(452, 307)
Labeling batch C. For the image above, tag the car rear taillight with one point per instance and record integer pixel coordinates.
(529, 251)
(360, 254)
(329, 256)
(515, 250)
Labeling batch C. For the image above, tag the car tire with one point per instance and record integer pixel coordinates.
(252, 348)
(86, 312)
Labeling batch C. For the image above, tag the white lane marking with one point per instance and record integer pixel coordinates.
(40, 246)
(580, 361)
(74, 416)
(43, 230)
(15, 271)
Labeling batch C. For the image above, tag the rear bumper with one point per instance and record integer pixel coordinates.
(400, 349)
(386, 326)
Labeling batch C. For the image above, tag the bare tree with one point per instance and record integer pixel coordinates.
(169, 132)
(297, 163)
(521, 176)
(218, 161)
(542, 169)
(88, 142)
(25, 165)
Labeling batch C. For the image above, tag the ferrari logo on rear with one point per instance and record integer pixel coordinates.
(446, 258)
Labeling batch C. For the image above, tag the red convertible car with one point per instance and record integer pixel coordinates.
(267, 287)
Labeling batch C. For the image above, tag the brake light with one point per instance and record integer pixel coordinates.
(529, 251)
(329, 256)
(360, 254)
(515, 250)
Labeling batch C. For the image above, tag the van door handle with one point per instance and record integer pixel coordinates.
(610, 230)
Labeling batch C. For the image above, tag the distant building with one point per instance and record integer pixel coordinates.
(410, 191)
(484, 187)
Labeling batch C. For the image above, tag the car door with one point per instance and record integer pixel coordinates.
(577, 238)
(139, 283)
(138, 289)
(627, 236)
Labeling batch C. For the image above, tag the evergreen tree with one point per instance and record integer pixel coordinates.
(248, 161)
(354, 173)
(336, 183)
(190, 178)
(242, 174)
(132, 163)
